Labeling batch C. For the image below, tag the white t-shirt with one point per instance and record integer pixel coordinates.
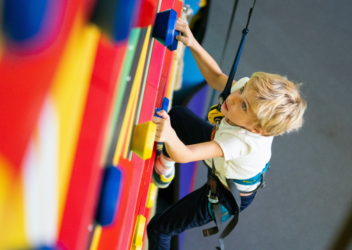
(245, 153)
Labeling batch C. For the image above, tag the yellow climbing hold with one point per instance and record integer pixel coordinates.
(151, 195)
(143, 139)
(137, 242)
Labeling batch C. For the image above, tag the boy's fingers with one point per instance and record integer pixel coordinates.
(178, 26)
(163, 114)
(182, 39)
(178, 37)
(157, 137)
(181, 22)
(159, 129)
(157, 120)
(181, 26)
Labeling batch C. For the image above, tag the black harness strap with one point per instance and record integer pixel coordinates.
(224, 48)
(235, 192)
(228, 32)
(216, 206)
(233, 223)
(225, 93)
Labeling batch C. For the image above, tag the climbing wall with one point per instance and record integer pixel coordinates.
(78, 79)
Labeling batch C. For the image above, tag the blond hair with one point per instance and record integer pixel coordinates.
(279, 108)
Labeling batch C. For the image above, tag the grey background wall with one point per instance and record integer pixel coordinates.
(309, 187)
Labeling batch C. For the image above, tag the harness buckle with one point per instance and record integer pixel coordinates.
(211, 200)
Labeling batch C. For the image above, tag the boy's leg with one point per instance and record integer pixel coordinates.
(191, 211)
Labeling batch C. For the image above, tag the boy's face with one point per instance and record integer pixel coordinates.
(238, 108)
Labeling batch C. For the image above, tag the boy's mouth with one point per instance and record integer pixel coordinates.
(225, 106)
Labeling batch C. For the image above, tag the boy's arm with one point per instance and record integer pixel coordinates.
(182, 153)
(177, 150)
(206, 64)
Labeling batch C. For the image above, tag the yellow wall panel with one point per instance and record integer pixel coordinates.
(12, 229)
(6, 174)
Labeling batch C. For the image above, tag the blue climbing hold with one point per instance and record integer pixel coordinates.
(164, 29)
(115, 17)
(22, 20)
(173, 46)
(109, 196)
(164, 106)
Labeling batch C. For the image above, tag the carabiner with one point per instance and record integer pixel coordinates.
(211, 200)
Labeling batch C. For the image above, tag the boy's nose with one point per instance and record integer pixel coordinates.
(233, 98)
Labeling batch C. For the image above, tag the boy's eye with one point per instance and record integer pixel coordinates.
(241, 90)
(244, 106)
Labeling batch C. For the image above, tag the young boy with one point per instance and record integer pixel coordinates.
(258, 108)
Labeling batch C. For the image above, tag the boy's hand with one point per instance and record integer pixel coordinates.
(164, 131)
(185, 36)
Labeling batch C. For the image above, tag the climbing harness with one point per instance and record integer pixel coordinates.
(218, 212)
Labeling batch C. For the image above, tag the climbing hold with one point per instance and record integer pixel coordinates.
(143, 139)
(144, 134)
(30, 26)
(164, 29)
(164, 106)
(138, 232)
(109, 196)
(134, 247)
(115, 17)
(23, 20)
(151, 195)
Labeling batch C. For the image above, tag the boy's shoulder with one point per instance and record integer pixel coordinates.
(253, 141)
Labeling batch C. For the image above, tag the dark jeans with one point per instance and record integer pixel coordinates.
(192, 210)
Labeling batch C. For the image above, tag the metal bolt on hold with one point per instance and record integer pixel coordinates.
(187, 12)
